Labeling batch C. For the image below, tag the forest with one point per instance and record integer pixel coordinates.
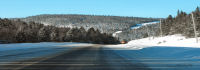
(17, 31)
(105, 24)
(182, 24)
(93, 29)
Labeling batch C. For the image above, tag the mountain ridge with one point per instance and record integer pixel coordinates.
(106, 24)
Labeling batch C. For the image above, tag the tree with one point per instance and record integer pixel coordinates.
(197, 10)
(19, 31)
(54, 35)
(43, 35)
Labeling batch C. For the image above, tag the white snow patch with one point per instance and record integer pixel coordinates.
(144, 24)
(149, 23)
(166, 41)
(46, 24)
(114, 34)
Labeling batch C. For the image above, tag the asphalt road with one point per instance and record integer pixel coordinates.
(81, 58)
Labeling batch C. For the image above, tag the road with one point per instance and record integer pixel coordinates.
(98, 57)
(82, 58)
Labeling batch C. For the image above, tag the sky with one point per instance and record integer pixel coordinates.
(135, 8)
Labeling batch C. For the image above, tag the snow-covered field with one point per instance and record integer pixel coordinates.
(166, 41)
(144, 24)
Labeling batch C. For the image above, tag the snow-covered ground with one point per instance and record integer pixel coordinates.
(144, 24)
(114, 34)
(166, 41)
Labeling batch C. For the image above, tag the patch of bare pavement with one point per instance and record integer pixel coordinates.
(79, 58)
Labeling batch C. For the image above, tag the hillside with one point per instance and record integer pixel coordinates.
(22, 32)
(140, 31)
(105, 24)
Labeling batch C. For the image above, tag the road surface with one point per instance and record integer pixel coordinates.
(82, 58)
(98, 57)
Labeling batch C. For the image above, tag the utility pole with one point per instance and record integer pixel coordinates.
(153, 33)
(161, 28)
(148, 33)
(194, 26)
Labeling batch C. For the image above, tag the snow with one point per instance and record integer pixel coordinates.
(46, 24)
(166, 41)
(114, 34)
(149, 23)
(144, 24)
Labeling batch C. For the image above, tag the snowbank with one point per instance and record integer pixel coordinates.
(166, 41)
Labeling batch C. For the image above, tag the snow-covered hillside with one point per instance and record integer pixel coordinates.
(139, 31)
(144, 24)
(105, 24)
(166, 41)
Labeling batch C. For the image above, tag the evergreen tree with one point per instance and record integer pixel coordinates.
(19, 31)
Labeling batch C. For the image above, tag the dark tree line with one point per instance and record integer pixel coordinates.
(181, 24)
(17, 31)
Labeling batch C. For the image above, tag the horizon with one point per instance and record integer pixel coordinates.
(86, 15)
(128, 8)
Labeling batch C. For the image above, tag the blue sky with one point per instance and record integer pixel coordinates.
(136, 8)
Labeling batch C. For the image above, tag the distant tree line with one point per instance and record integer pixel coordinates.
(18, 31)
(105, 24)
(181, 24)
